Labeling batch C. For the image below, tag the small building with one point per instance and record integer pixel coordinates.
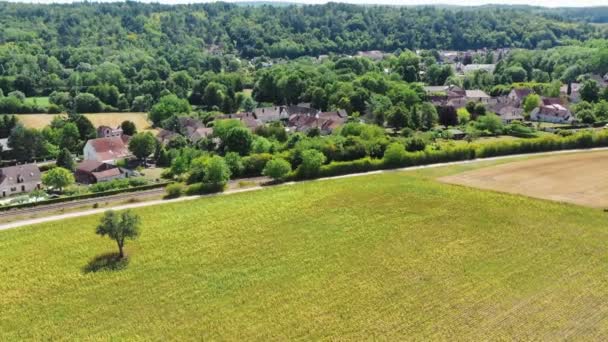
(19, 179)
(517, 95)
(449, 92)
(326, 122)
(510, 113)
(551, 110)
(247, 118)
(375, 55)
(164, 136)
(107, 131)
(199, 133)
(477, 96)
(92, 171)
(106, 150)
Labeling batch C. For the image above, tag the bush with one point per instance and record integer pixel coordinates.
(394, 154)
(277, 169)
(115, 184)
(415, 144)
(235, 163)
(174, 190)
(356, 166)
(217, 173)
(254, 164)
(312, 160)
(138, 181)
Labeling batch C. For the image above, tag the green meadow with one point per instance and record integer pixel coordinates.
(394, 256)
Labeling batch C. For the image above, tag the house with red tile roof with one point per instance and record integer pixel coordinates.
(106, 150)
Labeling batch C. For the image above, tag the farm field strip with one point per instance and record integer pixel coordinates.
(580, 178)
(40, 121)
(395, 254)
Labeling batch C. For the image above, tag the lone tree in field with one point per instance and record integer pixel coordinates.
(119, 227)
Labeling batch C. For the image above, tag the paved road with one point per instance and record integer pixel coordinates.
(28, 222)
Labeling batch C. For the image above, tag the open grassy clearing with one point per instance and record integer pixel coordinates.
(40, 121)
(40, 101)
(397, 256)
(578, 178)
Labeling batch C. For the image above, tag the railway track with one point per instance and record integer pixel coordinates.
(78, 203)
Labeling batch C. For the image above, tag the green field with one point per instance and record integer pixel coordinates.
(396, 256)
(41, 101)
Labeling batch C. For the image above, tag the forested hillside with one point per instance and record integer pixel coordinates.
(90, 31)
(125, 56)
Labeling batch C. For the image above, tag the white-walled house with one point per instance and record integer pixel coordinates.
(106, 150)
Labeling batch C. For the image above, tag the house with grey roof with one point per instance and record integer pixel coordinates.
(477, 95)
(19, 179)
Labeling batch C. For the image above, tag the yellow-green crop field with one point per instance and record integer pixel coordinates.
(40, 121)
(394, 256)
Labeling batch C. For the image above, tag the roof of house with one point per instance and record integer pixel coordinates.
(99, 170)
(110, 148)
(200, 133)
(554, 110)
(28, 173)
(88, 165)
(476, 93)
(164, 135)
(474, 67)
(551, 101)
(108, 173)
(186, 121)
(522, 92)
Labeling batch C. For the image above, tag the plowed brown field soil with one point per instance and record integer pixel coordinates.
(580, 178)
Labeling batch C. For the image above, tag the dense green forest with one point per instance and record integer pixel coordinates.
(126, 56)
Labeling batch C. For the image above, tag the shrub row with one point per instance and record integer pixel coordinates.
(81, 197)
(465, 152)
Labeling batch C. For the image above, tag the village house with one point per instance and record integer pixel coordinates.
(93, 171)
(247, 118)
(199, 133)
(509, 113)
(106, 150)
(107, 131)
(326, 122)
(270, 114)
(551, 110)
(517, 95)
(19, 179)
(278, 113)
(164, 136)
(477, 95)
(449, 92)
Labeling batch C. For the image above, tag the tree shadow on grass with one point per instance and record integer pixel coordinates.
(106, 262)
